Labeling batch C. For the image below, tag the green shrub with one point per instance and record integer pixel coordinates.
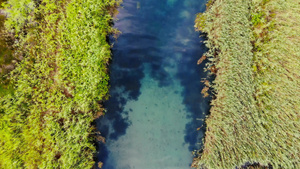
(46, 122)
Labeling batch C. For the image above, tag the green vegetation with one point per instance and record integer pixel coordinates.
(7, 61)
(46, 121)
(254, 53)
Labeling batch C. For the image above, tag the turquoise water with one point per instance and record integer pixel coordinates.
(152, 114)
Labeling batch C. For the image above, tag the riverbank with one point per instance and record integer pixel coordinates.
(254, 54)
(46, 121)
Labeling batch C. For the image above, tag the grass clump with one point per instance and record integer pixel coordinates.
(7, 60)
(254, 52)
(46, 121)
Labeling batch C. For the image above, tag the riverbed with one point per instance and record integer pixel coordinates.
(155, 103)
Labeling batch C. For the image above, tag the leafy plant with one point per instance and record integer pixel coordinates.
(46, 122)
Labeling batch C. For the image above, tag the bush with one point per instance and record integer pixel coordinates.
(46, 122)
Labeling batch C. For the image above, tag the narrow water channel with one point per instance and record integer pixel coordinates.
(151, 120)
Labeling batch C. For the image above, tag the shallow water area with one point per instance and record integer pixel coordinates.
(151, 120)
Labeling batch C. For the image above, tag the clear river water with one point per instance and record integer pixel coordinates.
(155, 97)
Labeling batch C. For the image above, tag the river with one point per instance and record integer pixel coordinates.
(155, 97)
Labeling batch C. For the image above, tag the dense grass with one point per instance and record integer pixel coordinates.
(7, 60)
(254, 53)
(46, 122)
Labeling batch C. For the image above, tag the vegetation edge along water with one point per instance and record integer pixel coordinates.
(46, 122)
(254, 56)
(58, 85)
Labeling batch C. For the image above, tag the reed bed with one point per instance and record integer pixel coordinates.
(254, 54)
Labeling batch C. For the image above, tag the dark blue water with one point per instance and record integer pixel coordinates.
(151, 120)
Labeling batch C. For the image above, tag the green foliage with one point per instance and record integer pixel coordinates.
(254, 48)
(209, 3)
(200, 22)
(256, 18)
(7, 60)
(46, 122)
(20, 13)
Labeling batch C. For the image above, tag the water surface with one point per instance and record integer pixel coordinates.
(151, 120)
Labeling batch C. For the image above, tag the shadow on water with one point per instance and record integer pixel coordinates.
(196, 106)
(145, 42)
(126, 72)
